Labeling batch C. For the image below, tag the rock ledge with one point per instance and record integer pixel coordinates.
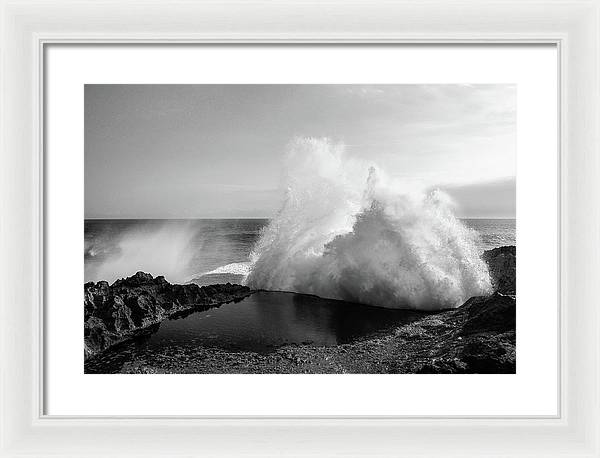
(115, 313)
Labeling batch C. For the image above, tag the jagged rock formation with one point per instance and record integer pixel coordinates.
(482, 338)
(477, 337)
(502, 265)
(117, 312)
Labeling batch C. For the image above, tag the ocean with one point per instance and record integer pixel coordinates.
(217, 251)
(204, 251)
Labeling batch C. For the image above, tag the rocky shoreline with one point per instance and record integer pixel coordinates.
(121, 311)
(477, 337)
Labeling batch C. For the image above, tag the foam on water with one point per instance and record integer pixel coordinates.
(347, 232)
(235, 268)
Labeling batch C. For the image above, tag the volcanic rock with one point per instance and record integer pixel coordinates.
(117, 312)
(502, 263)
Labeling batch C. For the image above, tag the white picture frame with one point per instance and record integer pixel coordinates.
(27, 27)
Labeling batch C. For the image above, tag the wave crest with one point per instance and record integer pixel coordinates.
(347, 232)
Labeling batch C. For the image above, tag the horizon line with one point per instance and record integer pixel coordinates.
(246, 217)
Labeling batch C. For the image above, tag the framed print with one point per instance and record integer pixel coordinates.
(299, 234)
(267, 226)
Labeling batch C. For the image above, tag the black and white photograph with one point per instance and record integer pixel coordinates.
(300, 229)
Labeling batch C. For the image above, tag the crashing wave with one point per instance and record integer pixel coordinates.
(346, 232)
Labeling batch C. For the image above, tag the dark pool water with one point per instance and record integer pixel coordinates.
(260, 323)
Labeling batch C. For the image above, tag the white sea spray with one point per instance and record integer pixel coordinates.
(345, 231)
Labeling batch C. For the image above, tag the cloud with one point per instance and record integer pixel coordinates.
(493, 199)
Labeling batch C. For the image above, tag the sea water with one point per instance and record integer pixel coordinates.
(202, 251)
(205, 251)
(217, 251)
(260, 323)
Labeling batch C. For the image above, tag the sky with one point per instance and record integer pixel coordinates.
(217, 151)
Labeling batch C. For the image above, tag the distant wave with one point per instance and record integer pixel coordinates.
(235, 268)
(162, 250)
(347, 232)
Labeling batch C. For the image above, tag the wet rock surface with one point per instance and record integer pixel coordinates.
(502, 263)
(131, 306)
(477, 337)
